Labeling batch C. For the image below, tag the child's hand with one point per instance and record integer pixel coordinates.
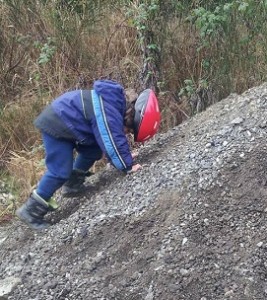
(136, 167)
(134, 154)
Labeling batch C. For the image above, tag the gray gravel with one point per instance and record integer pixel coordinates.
(5, 195)
(190, 225)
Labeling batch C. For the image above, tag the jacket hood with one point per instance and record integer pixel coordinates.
(112, 92)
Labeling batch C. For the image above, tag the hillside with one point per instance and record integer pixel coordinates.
(191, 225)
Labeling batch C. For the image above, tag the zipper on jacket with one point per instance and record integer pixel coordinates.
(83, 105)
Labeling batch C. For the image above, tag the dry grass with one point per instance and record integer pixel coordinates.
(25, 168)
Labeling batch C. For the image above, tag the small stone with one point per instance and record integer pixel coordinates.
(229, 293)
(237, 121)
(8, 284)
(184, 241)
(184, 272)
(263, 124)
(208, 145)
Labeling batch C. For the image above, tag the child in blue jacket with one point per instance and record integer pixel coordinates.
(92, 122)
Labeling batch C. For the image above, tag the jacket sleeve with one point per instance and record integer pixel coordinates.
(109, 133)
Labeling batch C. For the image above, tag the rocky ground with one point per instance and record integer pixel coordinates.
(191, 225)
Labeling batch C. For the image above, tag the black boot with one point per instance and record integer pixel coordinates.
(75, 184)
(33, 211)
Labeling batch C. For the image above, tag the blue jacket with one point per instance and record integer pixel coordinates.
(91, 117)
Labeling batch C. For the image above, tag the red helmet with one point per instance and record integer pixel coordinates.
(147, 116)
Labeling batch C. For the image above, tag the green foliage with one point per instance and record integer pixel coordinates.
(47, 51)
(230, 42)
(145, 17)
(209, 22)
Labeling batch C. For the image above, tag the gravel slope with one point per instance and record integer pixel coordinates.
(190, 225)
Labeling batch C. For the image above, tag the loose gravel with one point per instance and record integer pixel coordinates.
(190, 225)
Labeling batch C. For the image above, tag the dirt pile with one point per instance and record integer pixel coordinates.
(190, 225)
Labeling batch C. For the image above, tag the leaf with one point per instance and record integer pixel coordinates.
(243, 6)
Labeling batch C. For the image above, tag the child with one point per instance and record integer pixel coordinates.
(92, 122)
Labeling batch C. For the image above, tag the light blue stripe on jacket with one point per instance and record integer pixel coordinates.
(105, 132)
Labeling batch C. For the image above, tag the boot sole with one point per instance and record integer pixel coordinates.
(25, 220)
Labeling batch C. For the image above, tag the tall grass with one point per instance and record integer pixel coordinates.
(193, 53)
